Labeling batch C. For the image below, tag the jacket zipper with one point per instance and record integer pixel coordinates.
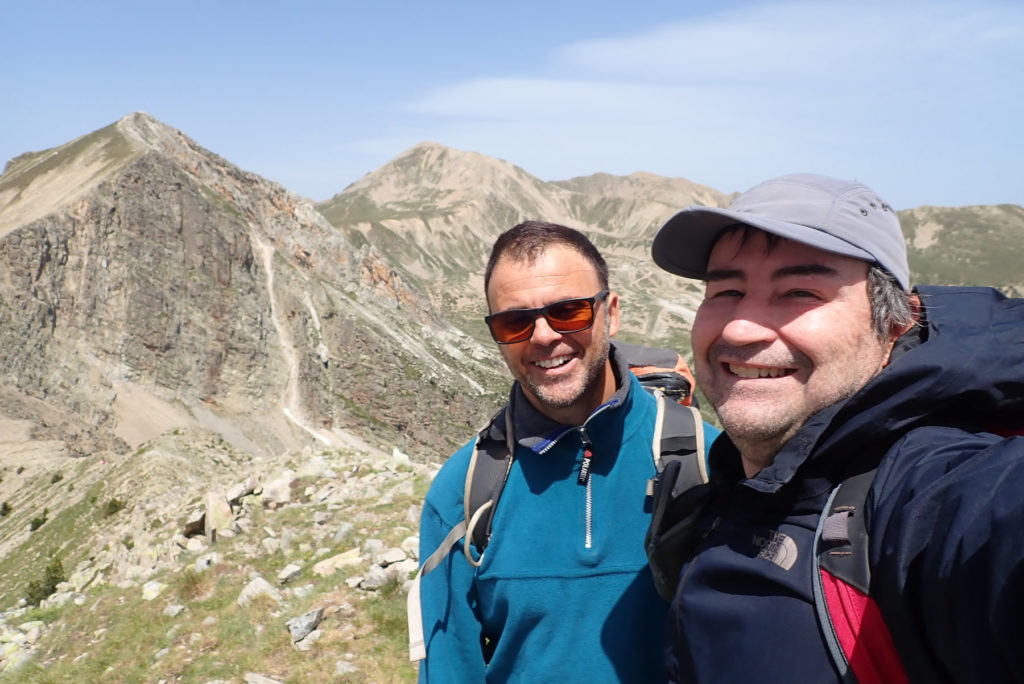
(584, 479)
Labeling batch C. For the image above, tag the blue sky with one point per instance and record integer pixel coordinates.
(924, 101)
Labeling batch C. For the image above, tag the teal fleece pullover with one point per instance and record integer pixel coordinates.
(564, 593)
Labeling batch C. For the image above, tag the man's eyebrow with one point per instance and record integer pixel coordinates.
(720, 274)
(803, 270)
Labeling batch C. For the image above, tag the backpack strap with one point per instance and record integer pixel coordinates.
(857, 638)
(413, 609)
(678, 435)
(679, 491)
(485, 479)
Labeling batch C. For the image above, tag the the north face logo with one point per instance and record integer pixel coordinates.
(777, 548)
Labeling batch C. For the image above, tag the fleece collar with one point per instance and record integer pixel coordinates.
(539, 433)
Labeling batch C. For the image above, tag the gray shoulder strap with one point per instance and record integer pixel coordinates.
(488, 470)
(679, 435)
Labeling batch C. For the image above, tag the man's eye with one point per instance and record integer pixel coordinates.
(801, 294)
(724, 293)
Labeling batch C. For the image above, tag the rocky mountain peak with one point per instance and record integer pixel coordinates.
(152, 284)
(437, 180)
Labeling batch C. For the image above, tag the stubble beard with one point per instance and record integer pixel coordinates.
(571, 391)
(760, 425)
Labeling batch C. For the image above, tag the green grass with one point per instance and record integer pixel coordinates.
(117, 636)
(64, 534)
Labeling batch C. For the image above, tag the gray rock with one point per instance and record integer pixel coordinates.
(403, 570)
(279, 490)
(386, 557)
(303, 591)
(152, 589)
(255, 678)
(238, 490)
(308, 641)
(301, 626)
(329, 565)
(196, 545)
(258, 587)
(207, 561)
(411, 545)
(375, 578)
(174, 610)
(343, 667)
(343, 531)
(218, 515)
(288, 573)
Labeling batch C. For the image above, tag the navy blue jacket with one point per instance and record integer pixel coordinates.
(945, 516)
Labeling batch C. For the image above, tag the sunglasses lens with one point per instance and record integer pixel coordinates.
(512, 326)
(572, 315)
(567, 316)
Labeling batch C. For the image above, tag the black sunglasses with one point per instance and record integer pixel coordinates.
(566, 316)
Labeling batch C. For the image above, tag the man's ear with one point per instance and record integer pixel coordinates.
(613, 313)
(915, 316)
(899, 331)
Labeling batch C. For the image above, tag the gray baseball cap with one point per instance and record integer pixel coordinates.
(839, 216)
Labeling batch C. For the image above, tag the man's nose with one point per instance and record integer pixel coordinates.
(750, 323)
(543, 333)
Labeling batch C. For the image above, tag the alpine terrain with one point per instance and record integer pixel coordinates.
(222, 404)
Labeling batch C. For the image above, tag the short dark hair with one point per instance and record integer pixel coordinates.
(528, 240)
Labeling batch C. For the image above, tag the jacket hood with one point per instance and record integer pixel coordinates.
(962, 366)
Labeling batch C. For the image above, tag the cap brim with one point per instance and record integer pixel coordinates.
(682, 246)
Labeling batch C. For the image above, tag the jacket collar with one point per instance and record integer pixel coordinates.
(536, 431)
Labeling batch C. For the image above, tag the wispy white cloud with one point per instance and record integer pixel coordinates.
(807, 42)
(918, 97)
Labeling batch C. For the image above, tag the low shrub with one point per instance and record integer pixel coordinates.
(112, 507)
(38, 521)
(45, 586)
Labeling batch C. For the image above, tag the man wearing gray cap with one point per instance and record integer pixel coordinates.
(827, 369)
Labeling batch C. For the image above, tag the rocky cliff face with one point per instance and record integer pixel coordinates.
(168, 287)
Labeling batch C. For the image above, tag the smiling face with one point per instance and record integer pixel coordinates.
(565, 376)
(783, 332)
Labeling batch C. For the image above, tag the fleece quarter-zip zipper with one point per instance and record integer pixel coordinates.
(584, 479)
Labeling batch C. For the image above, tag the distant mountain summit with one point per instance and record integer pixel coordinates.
(439, 180)
(150, 283)
(436, 212)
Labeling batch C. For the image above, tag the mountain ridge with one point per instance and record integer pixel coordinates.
(171, 324)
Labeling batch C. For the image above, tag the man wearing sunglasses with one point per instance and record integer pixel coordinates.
(562, 592)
